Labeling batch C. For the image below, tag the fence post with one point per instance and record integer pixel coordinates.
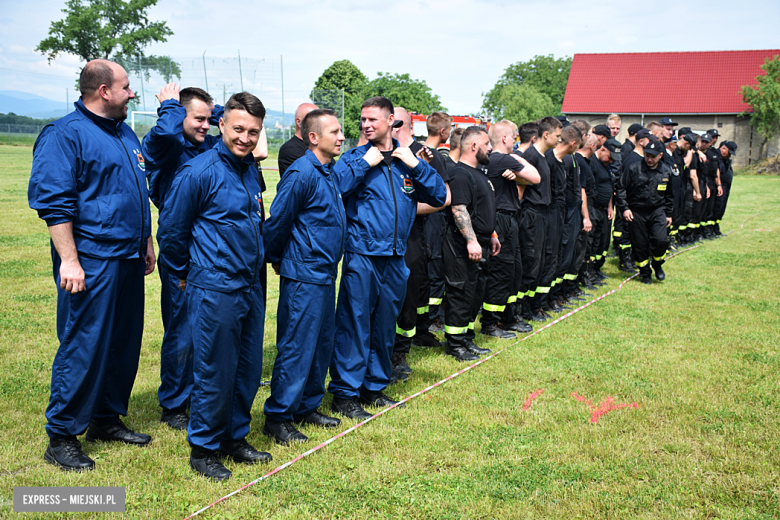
(9, 134)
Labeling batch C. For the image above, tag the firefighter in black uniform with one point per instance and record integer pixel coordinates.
(645, 200)
(470, 238)
(727, 149)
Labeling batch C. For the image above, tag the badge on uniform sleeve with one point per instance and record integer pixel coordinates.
(408, 185)
(259, 199)
(141, 163)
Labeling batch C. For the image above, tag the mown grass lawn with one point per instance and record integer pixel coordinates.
(698, 353)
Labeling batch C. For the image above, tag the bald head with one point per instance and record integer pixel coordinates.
(403, 134)
(96, 73)
(502, 136)
(300, 113)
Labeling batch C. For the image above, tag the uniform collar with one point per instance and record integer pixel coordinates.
(111, 125)
(323, 168)
(233, 161)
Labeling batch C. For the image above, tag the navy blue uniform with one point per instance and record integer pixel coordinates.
(165, 151)
(89, 170)
(381, 204)
(306, 233)
(210, 236)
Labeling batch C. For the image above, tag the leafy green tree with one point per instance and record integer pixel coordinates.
(342, 75)
(523, 103)
(764, 100)
(412, 94)
(110, 29)
(545, 74)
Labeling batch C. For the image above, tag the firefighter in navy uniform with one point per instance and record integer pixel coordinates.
(645, 200)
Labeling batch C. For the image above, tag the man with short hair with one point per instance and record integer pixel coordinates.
(88, 184)
(577, 271)
(602, 214)
(687, 148)
(645, 200)
(714, 185)
(295, 147)
(668, 127)
(602, 133)
(180, 134)
(381, 183)
(210, 237)
(454, 156)
(470, 235)
(505, 172)
(630, 142)
(534, 213)
(304, 241)
(614, 124)
(527, 135)
(727, 150)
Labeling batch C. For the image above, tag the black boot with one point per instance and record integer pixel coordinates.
(495, 332)
(474, 349)
(207, 464)
(176, 418)
(283, 432)
(425, 339)
(377, 399)
(456, 347)
(349, 408)
(66, 453)
(115, 431)
(241, 451)
(659, 271)
(518, 326)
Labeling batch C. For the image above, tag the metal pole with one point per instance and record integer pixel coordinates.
(342, 110)
(9, 134)
(240, 73)
(141, 77)
(204, 71)
(284, 135)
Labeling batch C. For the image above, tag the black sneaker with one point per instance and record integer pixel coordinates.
(377, 399)
(243, 452)
(115, 432)
(66, 453)
(207, 464)
(283, 432)
(349, 408)
(176, 419)
(316, 418)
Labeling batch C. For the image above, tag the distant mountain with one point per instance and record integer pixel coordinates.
(26, 104)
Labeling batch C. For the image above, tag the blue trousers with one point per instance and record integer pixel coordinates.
(371, 293)
(100, 333)
(227, 337)
(176, 351)
(304, 342)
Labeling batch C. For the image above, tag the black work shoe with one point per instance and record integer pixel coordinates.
(602, 275)
(436, 326)
(115, 432)
(398, 361)
(626, 269)
(659, 273)
(474, 349)
(376, 399)
(349, 408)
(243, 452)
(283, 432)
(538, 317)
(207, 464)
(545, 315)
(398, 375)
(316, 418)
(647, 279)
(495, 332)
(176, 419)
(518, 326)
(66, 453)
(461, 354)
(425, 339)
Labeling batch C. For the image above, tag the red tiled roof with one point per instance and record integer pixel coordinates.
(662, 82)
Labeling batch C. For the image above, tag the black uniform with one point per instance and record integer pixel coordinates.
(464, 279)
(505, 267)
(290, 152)
(713, 165)
(533, 231)
(686, 222)
(646, 193)
(584, 238)
(621, 233)
(726, 178)
(601, 224)
(572, 225)
(677, 165)
(435, 227)
(555, 217)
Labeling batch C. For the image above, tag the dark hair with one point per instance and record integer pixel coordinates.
(247, 102)
(186, 95)
(379, 102)
(528, 131)
(471, 133)
(548, 124)
(455, 137)
(94, 74)
(571, 133)
(312, 122)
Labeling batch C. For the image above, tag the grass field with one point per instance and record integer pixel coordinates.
(698, 353)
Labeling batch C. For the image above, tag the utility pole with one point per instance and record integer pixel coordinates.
(281, 58)
(204, 71)
(342, 110)
(240, 73)
(224, 91)
(141, 77)
(67, 101)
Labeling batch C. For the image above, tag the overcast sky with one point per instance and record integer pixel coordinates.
(459, 47)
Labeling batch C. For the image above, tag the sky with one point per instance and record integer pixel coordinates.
(459, 47)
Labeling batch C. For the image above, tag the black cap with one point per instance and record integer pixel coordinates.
(713, 132)
(644, 133)
(633, 129)
(732, 146)
(684, 130)
(667, 121)
(602, 130)
(565, 122)
(706, 137)
(691, 138)
(654, 148)
(613, 145)
(398, 123)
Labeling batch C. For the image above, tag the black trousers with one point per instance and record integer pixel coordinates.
(435, 227)
(416, 259)
(533, 236)
(598, 217)
(621, 234)
(685, 228)
(555, 218)
(572, 225)
(649, 238)
(697, 220)
(605, 240)
(709, 205)
(579, 263)
(501, 286)
(464, 291)
(678, 193)
(720, 204)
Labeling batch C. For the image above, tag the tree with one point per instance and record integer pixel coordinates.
(110, 29)
(545, 74)
(523, 103)
(764, 100)
(342, 75)
(412, 94)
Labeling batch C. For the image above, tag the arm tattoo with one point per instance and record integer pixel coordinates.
(463, 222)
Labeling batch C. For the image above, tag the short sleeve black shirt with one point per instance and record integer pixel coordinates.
(586, 175)
(573, 185)
(603, 179)
(557, 177)
(537, 193)
(506, 190)
(471, 188)
(290, 152)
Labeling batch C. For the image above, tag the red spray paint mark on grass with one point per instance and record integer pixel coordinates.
(531, 397)
(604, 408)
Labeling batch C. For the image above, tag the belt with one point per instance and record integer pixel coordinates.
(507, 212)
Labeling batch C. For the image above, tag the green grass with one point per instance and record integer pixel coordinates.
(699, 353)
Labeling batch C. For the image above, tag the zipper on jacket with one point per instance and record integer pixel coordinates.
(395, 207)
(257, 241)
(143, 250)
